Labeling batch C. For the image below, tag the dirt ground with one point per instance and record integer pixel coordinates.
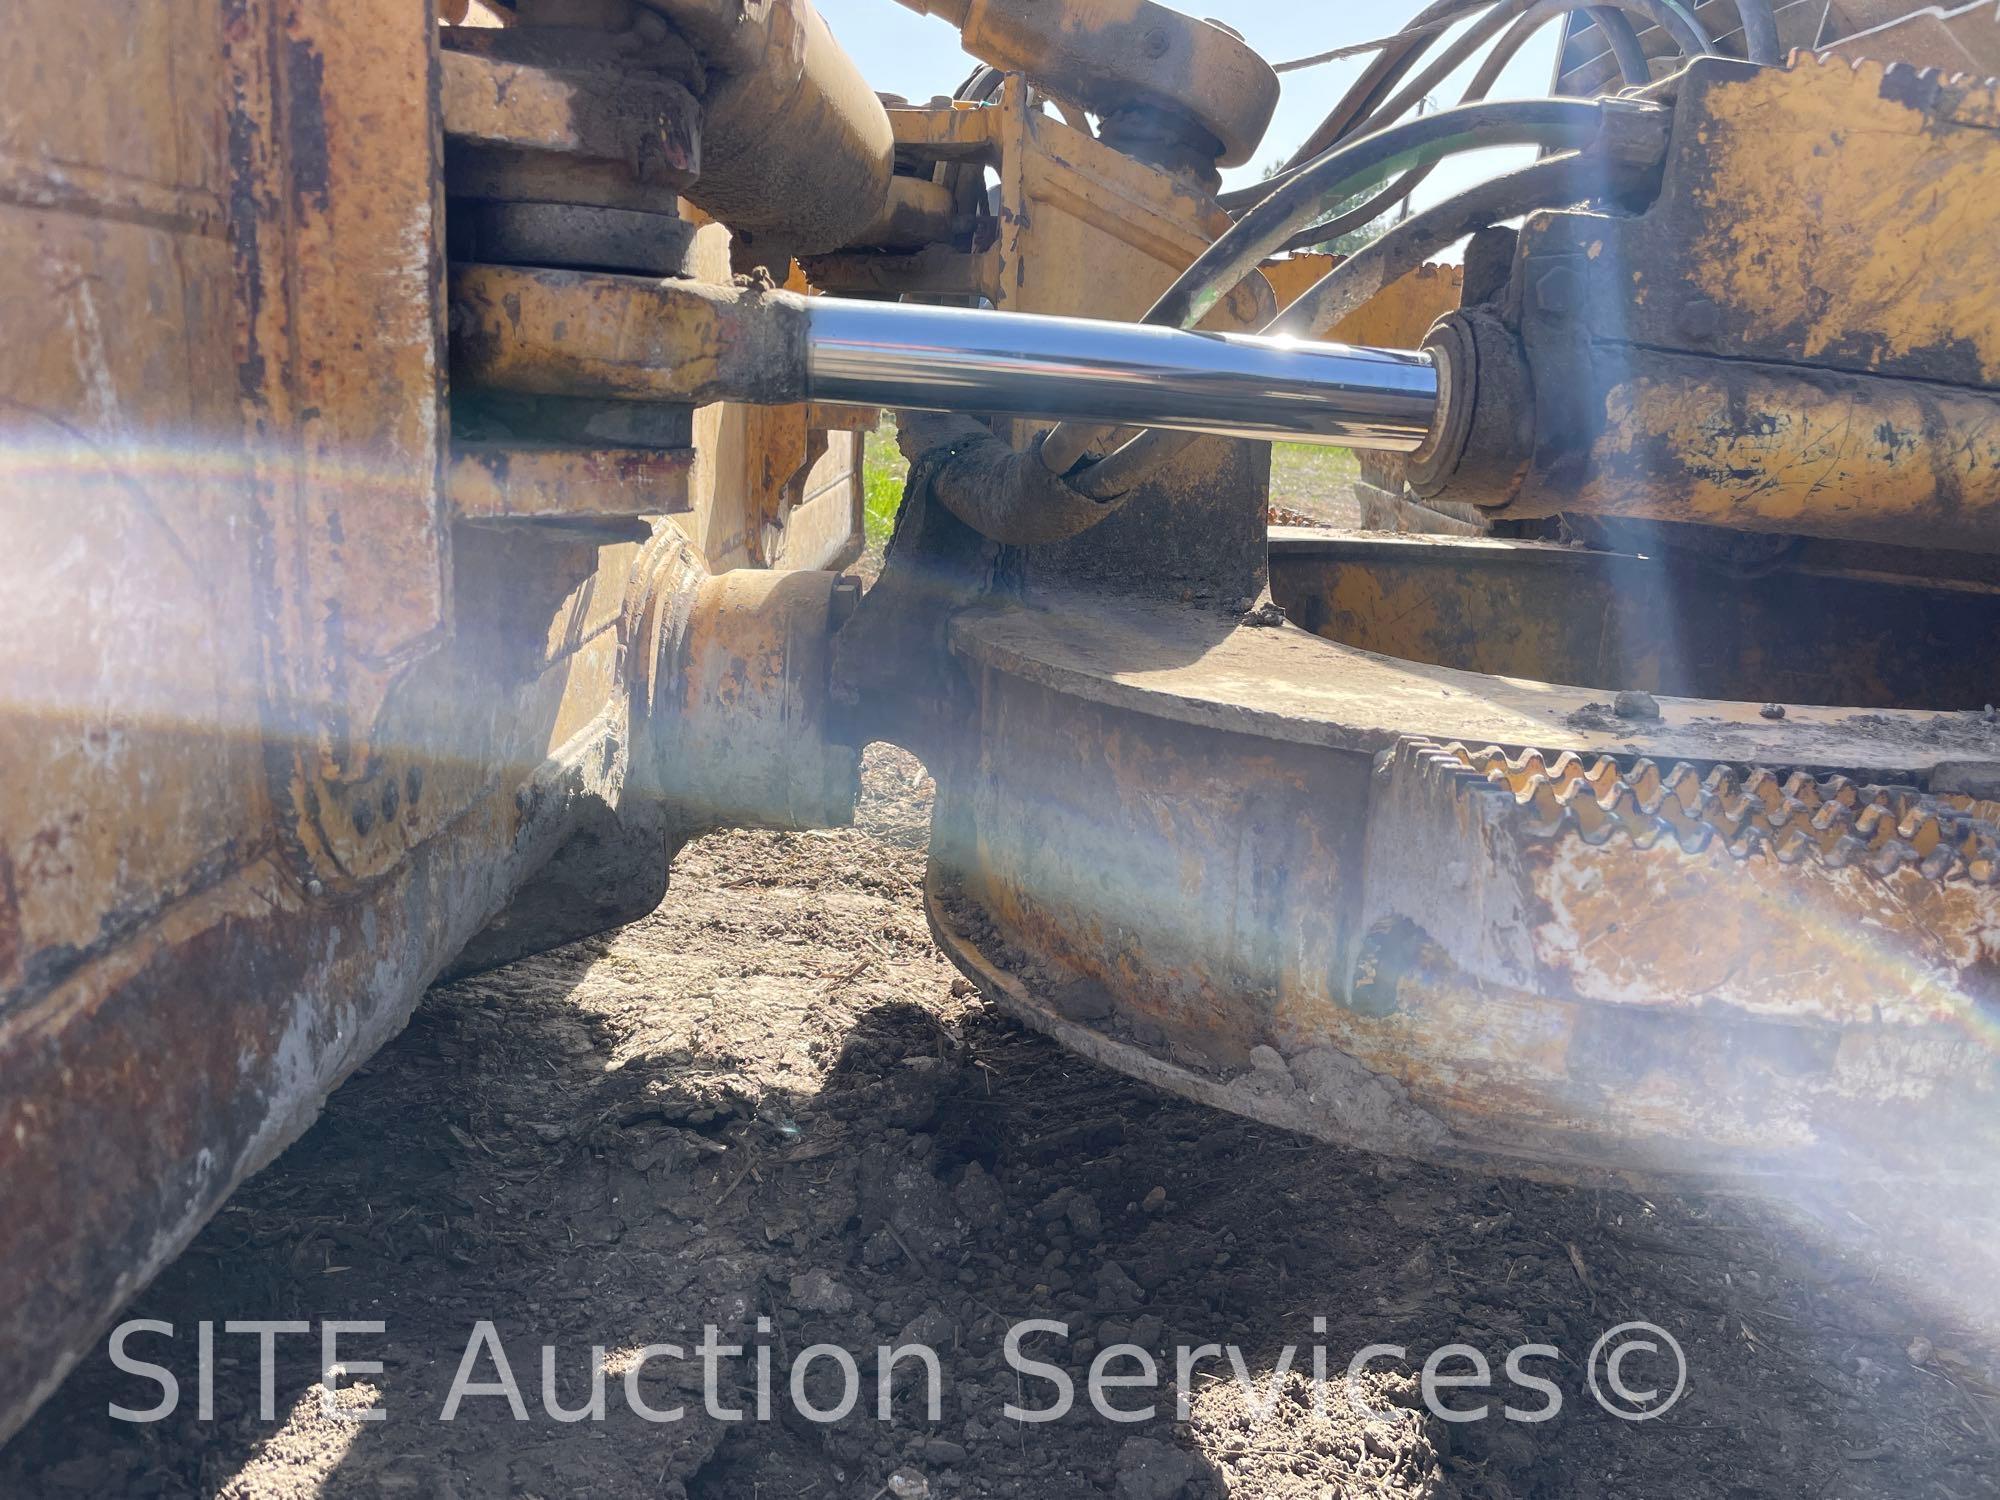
(773, 1099)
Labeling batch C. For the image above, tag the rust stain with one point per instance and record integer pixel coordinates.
(1846, 212)
(1767, 448)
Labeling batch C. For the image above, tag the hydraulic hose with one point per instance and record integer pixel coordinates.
(1621, 38)
(1329, 180)
(1547, 184)
(1537, 14)
(1381, 75)
(1760, 31)
(1547, 123)
(1528, 16)
(1363, 102)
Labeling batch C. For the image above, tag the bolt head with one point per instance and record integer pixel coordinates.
(1556, 291)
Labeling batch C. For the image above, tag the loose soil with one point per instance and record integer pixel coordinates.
(773, 1100)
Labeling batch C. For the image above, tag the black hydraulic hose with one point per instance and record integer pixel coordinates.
(1528, 16)
(1363, 101)
(1621, 39)
(1380, 76)
(1329, 181)
(1334, 177)
(1550, 183)
(1536, 15)
(1677, 21)
(1760, 31)
(1453, 57)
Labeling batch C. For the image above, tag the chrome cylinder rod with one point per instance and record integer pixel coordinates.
(1121, 374)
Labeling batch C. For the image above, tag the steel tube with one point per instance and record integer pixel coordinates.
(1124, 374)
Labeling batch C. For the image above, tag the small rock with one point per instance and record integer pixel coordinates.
(1265, 614)
(1084, 1217)
(909, 1097)
(1154, 1271)
(817, 1291)
(1149, 1469)
(979, 1199)
(944, 1452)
(1146, 1330)
(933, 1328)
(1634, 704)
(908, 1484)
(903, 1195)
(879, 1248)
(1772, 710)
(1920, 1351)
(1154, 1201)
(1115, 1288)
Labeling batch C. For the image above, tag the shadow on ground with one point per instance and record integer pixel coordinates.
(774, 1101)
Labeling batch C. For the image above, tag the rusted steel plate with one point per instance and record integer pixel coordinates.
(336, 231)
(645, 123)
(1829, 214)
(259, 783)
(1204, 669)
(1870, 152)
(1676, 623)
(129, 674)
(1178, 846)
(579, 333)
(514, 484)
(1765, 447)
(137, 1094)
(1117, 54)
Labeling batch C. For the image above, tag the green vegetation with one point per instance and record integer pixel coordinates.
(1305, 472)
(882, 469)
(1303, 476)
